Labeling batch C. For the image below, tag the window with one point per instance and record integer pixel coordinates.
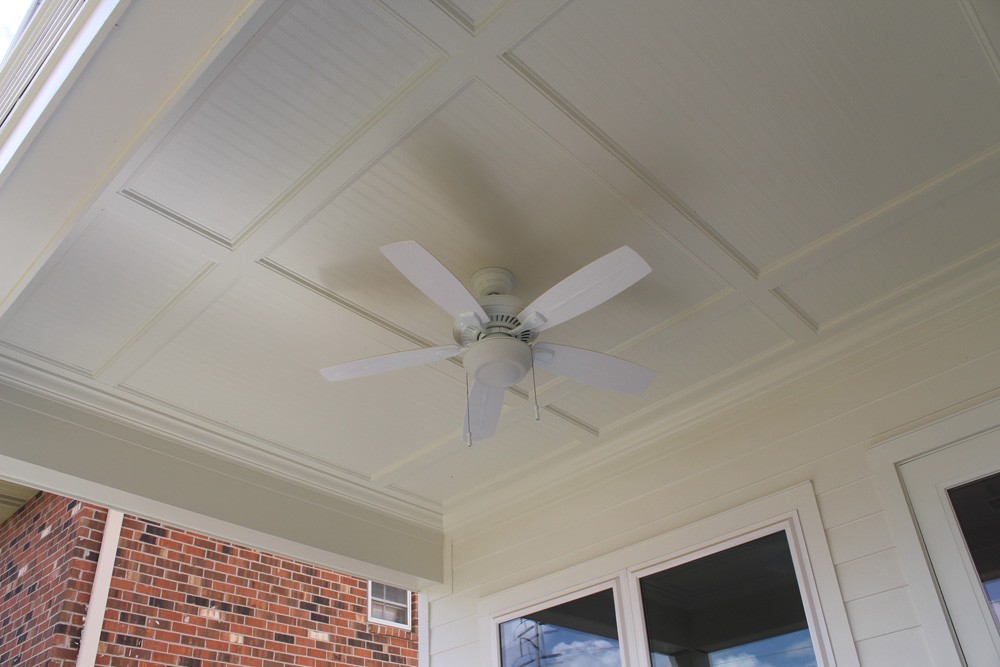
(578, 632)
(940, 485)
(977, 508)
(753, 585)
(388, 605)
(739, 606)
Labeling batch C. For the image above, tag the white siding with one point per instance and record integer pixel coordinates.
(820, 430)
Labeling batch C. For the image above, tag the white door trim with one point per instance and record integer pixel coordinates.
(886, 459)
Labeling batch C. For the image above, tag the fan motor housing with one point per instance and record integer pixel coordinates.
(498, 361)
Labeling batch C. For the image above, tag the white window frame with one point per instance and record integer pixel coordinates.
(793, 510)
(887, 457)
(381, 621)
(613, 584)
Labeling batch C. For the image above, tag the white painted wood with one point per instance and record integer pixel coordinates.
(93, 622)
(43, 65)
(87, 457)
(681, 362)
(874, 573)
(904, 255)
(113, 281)
(809, 184)
(850, 502)
(692, 92)
(793, 510)
(926, 481)
(225, 364)
(859, 538)
(316, 73)
(465, 185)
(907, 647)
(957, 425)
(881, 614)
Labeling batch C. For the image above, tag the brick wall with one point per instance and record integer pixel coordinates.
(178, 598)
(182, 599)
(48, 554)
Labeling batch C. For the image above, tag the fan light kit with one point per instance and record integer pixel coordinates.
(498, 335)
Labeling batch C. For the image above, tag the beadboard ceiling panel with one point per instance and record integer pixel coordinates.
(681, 362)
(114, 279)
(521, 446)
(916, 249)
(776, 123)
(311, 78)
(804, 179)
(480, 187)
(240, 365)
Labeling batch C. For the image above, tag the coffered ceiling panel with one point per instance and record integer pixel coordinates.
(251, 363)
(724, 343)
(522, 445)
(114, 279)
(301, 87)
(478, 187)
(906, 254)
(776, 123)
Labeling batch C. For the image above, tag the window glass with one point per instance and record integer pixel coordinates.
(579, 633)
(977, 508)
(739, 607)
(388, 604)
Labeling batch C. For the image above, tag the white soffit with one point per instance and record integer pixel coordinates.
(790, 173)
(939, 239)
(479, 187)
(82, 311)
(776, 123)
(305, 83)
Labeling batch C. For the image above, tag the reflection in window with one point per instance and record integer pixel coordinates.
(736, 608)
(578, 633)
(977, 508)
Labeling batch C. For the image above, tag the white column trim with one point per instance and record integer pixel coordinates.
(90, 638)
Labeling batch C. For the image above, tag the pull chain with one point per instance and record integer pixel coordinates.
(534, 389)
(468, 419)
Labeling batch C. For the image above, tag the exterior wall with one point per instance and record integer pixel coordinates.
(819, 429)
(48, 551)
(177, 598)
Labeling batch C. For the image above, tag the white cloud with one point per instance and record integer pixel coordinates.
(592, 653)
(738, 660)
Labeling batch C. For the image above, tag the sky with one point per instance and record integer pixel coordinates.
(11, 13)
(564, 647)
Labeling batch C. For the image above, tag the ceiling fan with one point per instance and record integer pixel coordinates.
(498, 334)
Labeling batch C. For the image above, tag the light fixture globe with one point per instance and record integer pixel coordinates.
(499, 361)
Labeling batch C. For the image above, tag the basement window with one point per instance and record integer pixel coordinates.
(388, 605)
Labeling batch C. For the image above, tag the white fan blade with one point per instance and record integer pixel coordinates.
(593, 368)
(431, 277)
(589, 287)
(485, 404)
(388, 362)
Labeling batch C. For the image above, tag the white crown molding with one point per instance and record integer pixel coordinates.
(187, 430)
